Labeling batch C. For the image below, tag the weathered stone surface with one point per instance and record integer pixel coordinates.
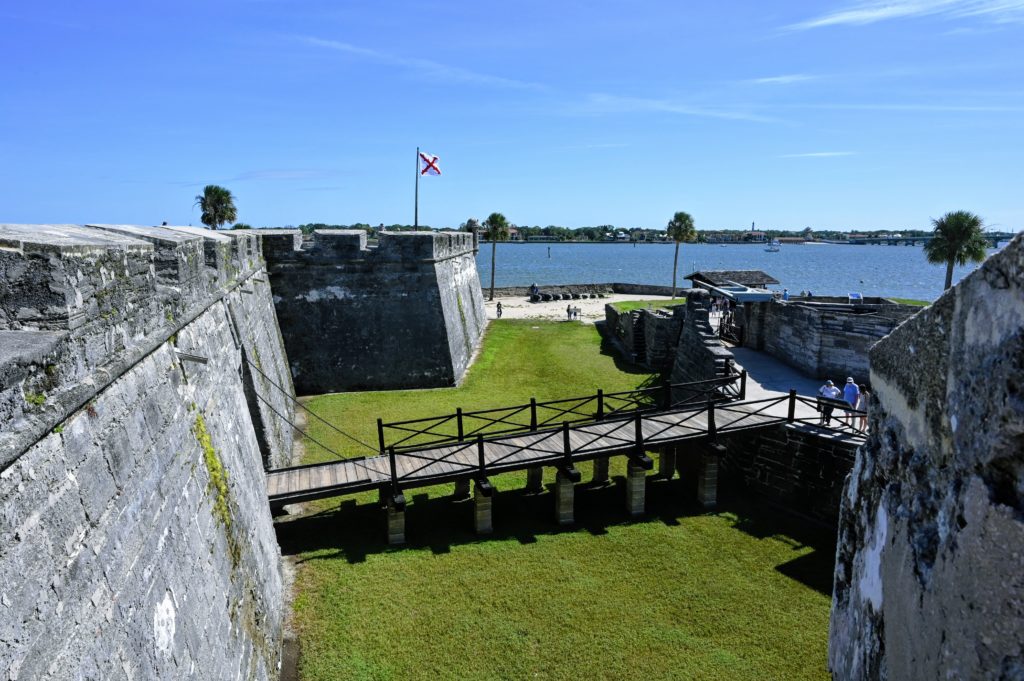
(929, 581)
(114, 294)
(823, 338)
(406, 314)
(123, 555)
(700, 354)
(794, 467)
(142, 548)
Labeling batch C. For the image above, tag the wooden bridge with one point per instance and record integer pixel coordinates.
(471, 445)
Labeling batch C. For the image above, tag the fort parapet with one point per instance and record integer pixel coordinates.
(132, 448)
(406, 313)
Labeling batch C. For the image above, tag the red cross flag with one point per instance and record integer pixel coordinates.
(428, 164)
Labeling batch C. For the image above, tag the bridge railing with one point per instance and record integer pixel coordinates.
(534, 416)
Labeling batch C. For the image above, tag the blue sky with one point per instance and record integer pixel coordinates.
(833, 114)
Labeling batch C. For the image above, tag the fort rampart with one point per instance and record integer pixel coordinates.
(407, 313)
(928, 578)
(132, 449)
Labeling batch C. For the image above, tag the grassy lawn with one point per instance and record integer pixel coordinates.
(911, 301)
(740, 593)
(627, 305)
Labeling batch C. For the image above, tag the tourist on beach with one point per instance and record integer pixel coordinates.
(576, 313)
(851, 395)
(865, 402)
(827, 392)
(568, 312)
(498, 309)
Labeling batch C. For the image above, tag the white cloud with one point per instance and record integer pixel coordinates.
(783, 80)
(820, 154)
(425, 67)
(871, 11)
(608, 104)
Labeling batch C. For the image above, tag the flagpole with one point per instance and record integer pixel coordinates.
(416, 216)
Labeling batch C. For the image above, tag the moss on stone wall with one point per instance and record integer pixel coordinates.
(218, 485)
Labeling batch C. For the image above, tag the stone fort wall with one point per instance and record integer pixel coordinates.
(407, 313)
(132, 498)
(818, 339)
(928, 578)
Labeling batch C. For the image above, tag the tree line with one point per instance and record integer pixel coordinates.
(958, 236)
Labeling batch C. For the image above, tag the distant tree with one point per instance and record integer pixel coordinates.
(241, 225)
(496, 226)
(956, 240)
(217, 205)
(680, 228)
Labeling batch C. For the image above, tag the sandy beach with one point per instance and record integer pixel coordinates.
(591, 309)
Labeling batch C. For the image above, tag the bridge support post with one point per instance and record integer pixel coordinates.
(707, 475)
(462, 489)
(535, 479)
(396, 520)
(636, 488)
(564, 492)
(667, 462)
(601, 469)
(483, 494)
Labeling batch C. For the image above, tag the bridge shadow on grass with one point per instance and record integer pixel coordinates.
(353, 530)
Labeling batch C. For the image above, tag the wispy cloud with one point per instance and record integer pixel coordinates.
(282, 174)
(424, 67)
(820, 154)
(872, 11)
(604, 103)
(783, 80)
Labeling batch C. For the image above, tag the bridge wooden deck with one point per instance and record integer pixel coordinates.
(457, 458)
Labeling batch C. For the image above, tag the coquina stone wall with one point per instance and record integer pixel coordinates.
(657, 332)
(929, 577)
(792, 466)
(820, 338)
(408, 313)
(135, 537)
(700, 354)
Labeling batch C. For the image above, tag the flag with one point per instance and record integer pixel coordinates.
(428, 164)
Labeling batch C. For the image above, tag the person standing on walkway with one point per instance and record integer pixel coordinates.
(568, 312)
(827, 392)
(851, 395)
(865, 402)
(785, 294)
(498, 309)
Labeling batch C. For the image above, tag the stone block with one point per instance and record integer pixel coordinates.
(535, 479)
(667, 463)
(396, 522)
(564, 499)
(461, 489)
(636, 489)
(601, 469)
(483, 497)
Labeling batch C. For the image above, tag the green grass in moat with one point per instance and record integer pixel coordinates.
(740, 593)
(911, 301)
(627, 305)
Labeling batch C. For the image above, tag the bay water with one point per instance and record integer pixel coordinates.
(824, 269)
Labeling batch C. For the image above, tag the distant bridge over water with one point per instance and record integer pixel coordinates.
(993, 239)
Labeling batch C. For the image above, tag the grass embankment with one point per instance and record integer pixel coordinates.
(736, 594)
(911, 301)
(628, 305)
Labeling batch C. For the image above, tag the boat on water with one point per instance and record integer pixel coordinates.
(773, 246)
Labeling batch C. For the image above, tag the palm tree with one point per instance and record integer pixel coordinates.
(497, 230)
(218, 206)
(957, 240)
(680, 228)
